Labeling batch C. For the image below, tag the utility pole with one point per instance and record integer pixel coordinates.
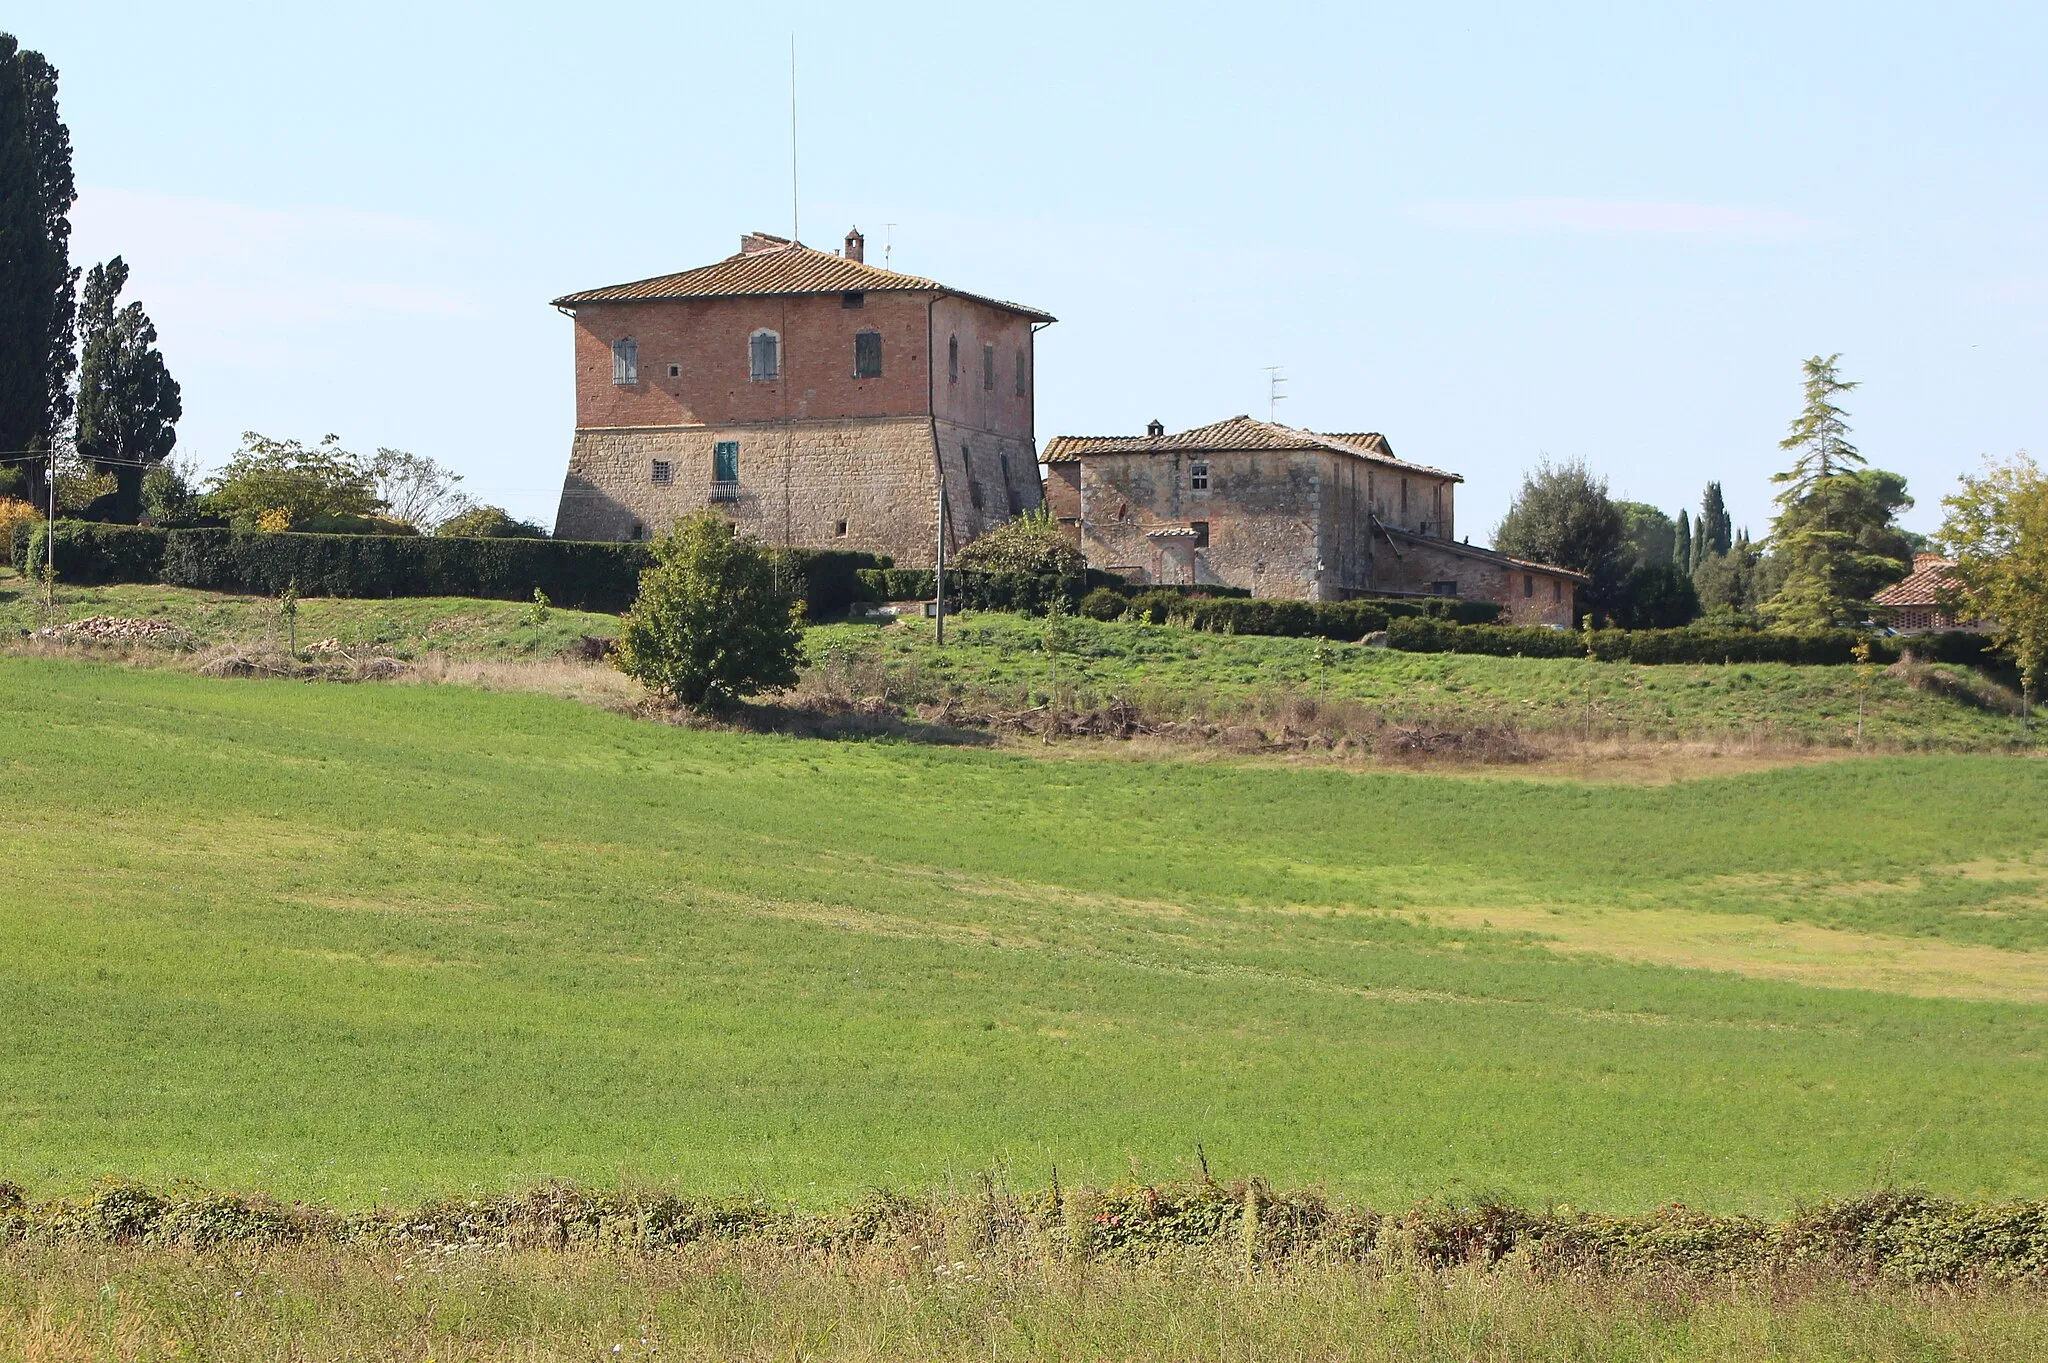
(793, 235)
(888, 242)
(941, 574)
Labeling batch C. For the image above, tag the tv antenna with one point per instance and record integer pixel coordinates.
(888, 240)
(793, 234)
(1274, 397)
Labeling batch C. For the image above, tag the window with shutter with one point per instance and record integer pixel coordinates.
(1023, 374)
(867, 355)
(952, 359)
(725, 461)
(625, 361)
(988, 367)
(1009, 487)
(764, 356)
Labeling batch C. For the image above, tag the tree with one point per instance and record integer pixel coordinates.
(1563, 516)
(1714, 531)
(1652, 535)
(415, 489)
(1681, 548)
(37, 306)
(168, 496)
(1657, 595)
(1829, 565)
(488, 523)
(302, 486)
(710, 624)
(1996, 529)
(128, 403)
(1031, 543)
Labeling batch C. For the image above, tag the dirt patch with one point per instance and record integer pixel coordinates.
(1746, 944)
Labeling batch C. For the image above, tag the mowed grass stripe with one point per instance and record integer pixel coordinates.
(341, 940)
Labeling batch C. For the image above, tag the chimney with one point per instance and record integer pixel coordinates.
(855, 245)
(1155, 427)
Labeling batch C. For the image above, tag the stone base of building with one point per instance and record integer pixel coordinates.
(866, 484)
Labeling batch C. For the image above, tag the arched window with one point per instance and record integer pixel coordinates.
(953, 359)
(764, 356)
(625, 360)
(867, 354)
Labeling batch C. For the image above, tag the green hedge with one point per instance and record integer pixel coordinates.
(1349, 620)
(577, 574)
(1689, 645)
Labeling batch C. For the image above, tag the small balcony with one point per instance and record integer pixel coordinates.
(725, 491)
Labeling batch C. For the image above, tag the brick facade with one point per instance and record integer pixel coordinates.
(825, 456)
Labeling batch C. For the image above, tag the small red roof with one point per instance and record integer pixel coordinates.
(1932, 575)
(789, 268)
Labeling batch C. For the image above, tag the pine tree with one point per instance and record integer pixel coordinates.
(128, 403)
(1820, 555)
(36, 278)
(1682, 554)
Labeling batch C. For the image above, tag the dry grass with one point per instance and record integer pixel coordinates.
(938, 1302)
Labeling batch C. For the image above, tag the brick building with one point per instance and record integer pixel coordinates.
(1923, 600)
(1284, 513)
(814, 399)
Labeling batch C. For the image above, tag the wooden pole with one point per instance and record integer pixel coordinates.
(941, 575)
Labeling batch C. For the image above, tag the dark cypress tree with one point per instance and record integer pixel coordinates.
(128, 403)
(1715, 530)
(1682, 553)
(36, 278)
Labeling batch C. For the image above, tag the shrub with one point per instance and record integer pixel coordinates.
(488, 523)
(826, 580)
(16, 514)
(92, 553)
(1031, 544)
(1691, 645)
(1103, 603)
(284, 475)
(711, 623)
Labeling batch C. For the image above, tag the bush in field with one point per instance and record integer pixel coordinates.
(1032, 543)
(710, 624)
(1104, 603)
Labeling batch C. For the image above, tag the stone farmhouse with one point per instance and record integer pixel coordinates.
(1284, 513)
(814, 399)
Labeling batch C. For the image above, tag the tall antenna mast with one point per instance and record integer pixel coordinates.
(1274, 397)
(888, 242)
(792, 138)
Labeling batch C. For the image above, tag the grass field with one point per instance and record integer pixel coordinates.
(731, 1304)
(406, 627)
(371, 942)
(1175, 671)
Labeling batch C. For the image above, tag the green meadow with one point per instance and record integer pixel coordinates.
(371, 942)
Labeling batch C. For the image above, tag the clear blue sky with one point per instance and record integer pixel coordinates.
(1492, 232)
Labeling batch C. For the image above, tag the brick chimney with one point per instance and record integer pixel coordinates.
(856, 245)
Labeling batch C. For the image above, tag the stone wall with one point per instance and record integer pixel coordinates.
(868, 484)
(1526, 596)
(1263, 517)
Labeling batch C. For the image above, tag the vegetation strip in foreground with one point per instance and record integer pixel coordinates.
(1889, 1235)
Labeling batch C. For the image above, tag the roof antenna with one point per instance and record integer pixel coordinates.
(1274, 397)
(888, 241)
(793, 235)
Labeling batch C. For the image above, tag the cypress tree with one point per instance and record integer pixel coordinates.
(1682, 554)
(36, 278)
(1715, 530)
(128, 403)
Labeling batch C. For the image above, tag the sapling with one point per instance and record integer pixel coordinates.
(537, 617)
(288, 611)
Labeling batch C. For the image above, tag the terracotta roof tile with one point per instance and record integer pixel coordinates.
(790, 269)
(1230, 435)
(1931, 575)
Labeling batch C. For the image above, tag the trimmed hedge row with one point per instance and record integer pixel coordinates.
(577, 574)
(1690, 645)
(1347, 620)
